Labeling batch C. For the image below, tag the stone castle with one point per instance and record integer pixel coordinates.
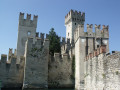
(31, 66)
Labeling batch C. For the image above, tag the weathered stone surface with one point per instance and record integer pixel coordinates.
(60, 72)
(36, 64)
(102, 72)
(11, 74)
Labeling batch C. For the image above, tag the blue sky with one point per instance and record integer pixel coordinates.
(51, 13)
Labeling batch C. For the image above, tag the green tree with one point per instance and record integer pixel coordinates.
(54, 42)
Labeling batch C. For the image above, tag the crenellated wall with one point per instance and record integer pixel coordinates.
(60, 73)
(75, 17)
(93, 39)
(36, 64)
(27, 21)
(11, 73)
(99, 33)
(102, 70)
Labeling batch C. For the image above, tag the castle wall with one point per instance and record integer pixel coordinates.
(112, 71)
(11, 73)
(36, 64)
(79, 60)
(60, 72)
(102, 71)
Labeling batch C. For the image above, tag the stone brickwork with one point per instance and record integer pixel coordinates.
(102, 70)
(11, 74)
(60, 72)
(36, 64)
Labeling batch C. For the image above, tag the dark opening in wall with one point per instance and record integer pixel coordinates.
(75, 23)
(97, 46)
(87, 46)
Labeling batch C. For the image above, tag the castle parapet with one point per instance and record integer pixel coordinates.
(27, 21)
(28, 16)
(11, 53)
(12, 73)
(3, 58)
(99, 33)
(36, 60)
(75, 16)
(105, 31)
(90, 32)
(42, 36)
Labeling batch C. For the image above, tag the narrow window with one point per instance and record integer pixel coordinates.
(64, 47)
(68, 34)
(97, 46)
(75, 23)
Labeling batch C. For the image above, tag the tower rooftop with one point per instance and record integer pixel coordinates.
(75, 16)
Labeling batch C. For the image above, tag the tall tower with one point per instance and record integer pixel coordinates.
(86, 43)
(26, 28)
(72, 20)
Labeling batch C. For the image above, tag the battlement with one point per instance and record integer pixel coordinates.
(11, 56)
(75, 17)
(12, 73)
(12, 62)
(42, 35)
(36, 60)
(99, 33)
(27, 21)
(98, 29)
(11, 52)
(37, 41)
(95, 53)
(37, 47)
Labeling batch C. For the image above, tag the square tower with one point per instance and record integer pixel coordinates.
(72, 20)
(26, 28)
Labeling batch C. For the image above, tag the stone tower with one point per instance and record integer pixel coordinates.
(26, 28)
(72, 20)
(85, 43)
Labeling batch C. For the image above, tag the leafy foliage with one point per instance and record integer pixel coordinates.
(54, 42)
